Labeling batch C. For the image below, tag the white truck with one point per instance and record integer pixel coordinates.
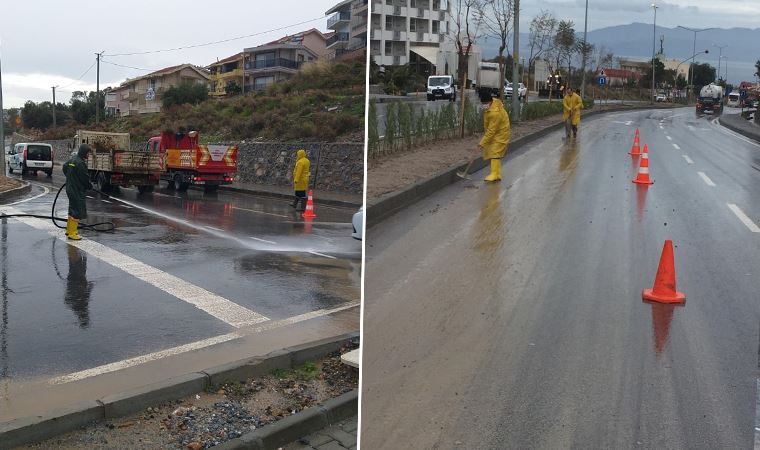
(710, 99)
(488, 77)
(112, 163)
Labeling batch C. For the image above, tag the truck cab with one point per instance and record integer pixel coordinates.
(185, 162)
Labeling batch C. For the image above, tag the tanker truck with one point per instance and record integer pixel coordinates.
(710, 99)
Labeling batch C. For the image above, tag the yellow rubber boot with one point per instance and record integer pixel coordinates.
(71, 229)
(495, 170)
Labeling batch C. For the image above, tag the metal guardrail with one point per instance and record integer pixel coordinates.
(338, 17)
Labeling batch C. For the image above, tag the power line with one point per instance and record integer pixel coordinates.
(128, 67)
(80, 77)
(217, 42)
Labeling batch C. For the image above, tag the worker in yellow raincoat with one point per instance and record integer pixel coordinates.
(571, 111)
(301, 178)
(496, 133)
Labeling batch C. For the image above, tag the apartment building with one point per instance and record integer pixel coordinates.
(348, 19)
(409, 32)
(280, 59)
(143, 94)
(224, 71)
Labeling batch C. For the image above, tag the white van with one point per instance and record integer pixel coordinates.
(734, 100)
(441, 86)
(31, 158)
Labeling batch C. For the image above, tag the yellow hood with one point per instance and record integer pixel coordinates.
(300, 154)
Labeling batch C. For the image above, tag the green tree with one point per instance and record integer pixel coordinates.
(646, 80)
(703, 75)
(232, 88)
(565, 41)
(190, 93)
(681, 82)
(37, 115)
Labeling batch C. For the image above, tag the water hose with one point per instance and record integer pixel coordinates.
(100, 227)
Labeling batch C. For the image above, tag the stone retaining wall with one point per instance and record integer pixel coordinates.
(340, 168)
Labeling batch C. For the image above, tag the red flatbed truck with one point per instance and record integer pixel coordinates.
(186, 162)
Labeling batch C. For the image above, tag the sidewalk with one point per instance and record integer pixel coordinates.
(340, 436)
(744, 127)
(342, 199)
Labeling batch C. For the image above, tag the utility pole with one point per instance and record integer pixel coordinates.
(54, 105)
(583, 64)
(654, 43)
(516, 66)
(97, 89)
(2, 125)
(693, 52)
(720, 55)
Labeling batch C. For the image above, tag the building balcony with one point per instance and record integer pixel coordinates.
(359, 8)
(338, 19)
(338, 40)
(273, 64)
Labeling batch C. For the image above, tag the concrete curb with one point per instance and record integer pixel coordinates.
(262, 193)
(27, 430)
(294, 427)
(25, 188)
(387, 205)
(736, 129)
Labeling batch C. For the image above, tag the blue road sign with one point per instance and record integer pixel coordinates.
(602, 81)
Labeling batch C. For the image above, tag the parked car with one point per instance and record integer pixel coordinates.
(522, 91)
(661, 97)
(31, 158)
(358, 224)
(7, 154)
(441, 86)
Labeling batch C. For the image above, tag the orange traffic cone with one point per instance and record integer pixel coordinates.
(664, 290)
(309, 213)
(643, 176)
(635, 150)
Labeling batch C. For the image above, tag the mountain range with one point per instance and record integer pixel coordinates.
(635, 41)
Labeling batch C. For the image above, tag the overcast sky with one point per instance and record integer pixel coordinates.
(45, 43)
(690, 13)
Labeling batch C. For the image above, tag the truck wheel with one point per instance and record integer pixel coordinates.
(170, 185)
(183, 187)
(210, 189)
(144, 189)
(454, 98)
(49, 173)
(178, 182)
(10, 169)
(429, 98)
(104, 184)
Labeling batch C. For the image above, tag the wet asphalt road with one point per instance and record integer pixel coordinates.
(66, 309)
(510, 315)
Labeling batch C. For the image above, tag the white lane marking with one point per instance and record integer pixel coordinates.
(732, 133)
(323, 255)
(89, 196)
(213, 228)
(263, 240)
(119, 365)
(126, 206)
(661, 127)
(259, 212)
(743, 217)
(225, 310)
(706, 179)
(675, 146)
(131, 362)
(47, 191)
(669, 138)
(688, 160)
(104, 200)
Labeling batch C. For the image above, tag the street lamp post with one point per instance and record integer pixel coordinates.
(583, 69)
(654, 38)
(694, 51)
(706, 51)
